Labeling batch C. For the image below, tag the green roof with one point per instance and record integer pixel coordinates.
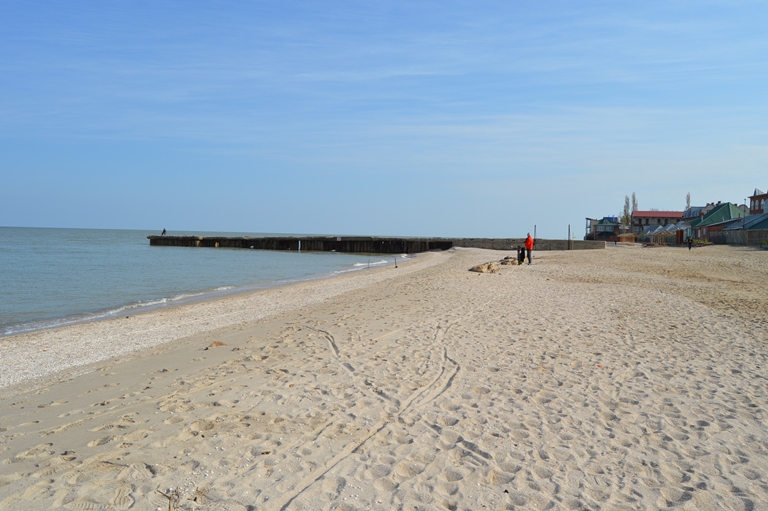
(721, 213)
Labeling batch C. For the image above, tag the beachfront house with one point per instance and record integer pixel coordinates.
(607, 228)
(710, 226)
(648, 221)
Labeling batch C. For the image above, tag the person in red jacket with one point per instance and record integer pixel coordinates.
(529, 246)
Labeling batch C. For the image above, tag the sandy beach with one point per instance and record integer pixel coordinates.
(626, 378)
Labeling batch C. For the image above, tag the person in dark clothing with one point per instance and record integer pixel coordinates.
(690, 242)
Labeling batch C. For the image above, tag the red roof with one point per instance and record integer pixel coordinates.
(657, 214)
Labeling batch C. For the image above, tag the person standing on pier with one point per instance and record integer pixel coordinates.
(163, 232)
(529, 246)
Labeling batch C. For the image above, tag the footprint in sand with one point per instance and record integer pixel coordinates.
(377, 471)
(33, 492)
(202, 425)
(101, 441)
(84, 505)
(448, 439)
(111, 425)
(503, 474)
(64, 427)
(9, 478)
(55, 465)
(52, 403)
(174, 420)
(137, 471)
(448, 421)
(408, 469)
(543, 472)
(38, 452)
(452, 476)
(137, 435)
(122, 498)
(333, 486)
(403, 438)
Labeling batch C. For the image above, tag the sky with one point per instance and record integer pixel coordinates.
(397, 118)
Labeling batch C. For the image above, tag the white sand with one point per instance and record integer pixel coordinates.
(627, 378)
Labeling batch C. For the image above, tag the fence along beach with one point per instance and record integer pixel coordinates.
(624, 378)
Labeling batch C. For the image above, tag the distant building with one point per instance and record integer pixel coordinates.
(605, 229)
(721, 216)
(693, 212)
(757, 202)
(752, 230)
(642, 220)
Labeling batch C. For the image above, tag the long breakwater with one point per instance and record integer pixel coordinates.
(363, 244)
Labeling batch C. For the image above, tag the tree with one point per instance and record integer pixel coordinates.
(688, 201)
(626, 218)
(634, 202)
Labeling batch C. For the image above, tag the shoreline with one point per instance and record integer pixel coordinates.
(134, 308)
(61, 349)
(628, 378)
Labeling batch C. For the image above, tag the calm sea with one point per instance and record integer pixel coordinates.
(54, 277)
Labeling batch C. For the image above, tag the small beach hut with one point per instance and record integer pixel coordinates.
(627, 237)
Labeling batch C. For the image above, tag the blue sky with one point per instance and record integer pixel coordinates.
(422, 118)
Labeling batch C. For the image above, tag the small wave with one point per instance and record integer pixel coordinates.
(350, 270)
(373, 263)
(21, 328)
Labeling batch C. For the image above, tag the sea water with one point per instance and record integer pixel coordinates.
(54, 277)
